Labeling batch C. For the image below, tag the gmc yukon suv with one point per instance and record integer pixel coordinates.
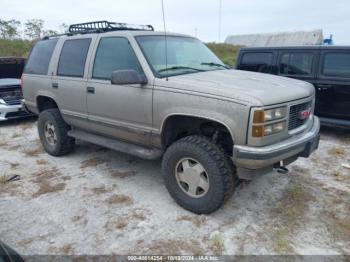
(167, 96)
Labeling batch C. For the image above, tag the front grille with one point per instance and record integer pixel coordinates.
(294, 112)
(15, 100)
(12, 97)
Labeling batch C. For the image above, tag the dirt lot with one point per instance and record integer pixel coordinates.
(96, 201)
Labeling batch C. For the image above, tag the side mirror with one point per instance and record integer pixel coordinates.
(127, 77)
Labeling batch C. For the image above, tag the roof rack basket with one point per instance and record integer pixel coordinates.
(105, 26)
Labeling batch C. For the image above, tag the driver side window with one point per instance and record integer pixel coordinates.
(114, 53)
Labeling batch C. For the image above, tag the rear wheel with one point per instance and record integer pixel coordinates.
(197, 174)
(53, 133)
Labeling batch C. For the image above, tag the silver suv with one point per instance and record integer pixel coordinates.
(153, 95)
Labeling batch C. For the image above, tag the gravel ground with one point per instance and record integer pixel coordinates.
(96, 201)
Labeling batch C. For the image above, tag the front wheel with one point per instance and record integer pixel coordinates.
(197, 174)
(53, 133)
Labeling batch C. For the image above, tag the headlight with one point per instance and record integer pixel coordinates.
(265, 121)
(2, 102)
(262, 116)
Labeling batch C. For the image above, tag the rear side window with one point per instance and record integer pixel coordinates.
(73, 57)
(40, 56)
(257, 62)
(336, 64)
(114, 53)
(296, 63)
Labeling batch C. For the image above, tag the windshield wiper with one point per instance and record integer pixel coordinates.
(214, 64)
(180, 67)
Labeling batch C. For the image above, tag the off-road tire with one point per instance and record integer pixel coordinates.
(219, 171)
(65, 144)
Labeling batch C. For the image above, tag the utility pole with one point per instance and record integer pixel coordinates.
(220, 19)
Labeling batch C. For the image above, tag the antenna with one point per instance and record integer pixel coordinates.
(166, 40)
(220, 18)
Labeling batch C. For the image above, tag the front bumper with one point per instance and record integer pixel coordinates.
(12, 111)
(289, 150)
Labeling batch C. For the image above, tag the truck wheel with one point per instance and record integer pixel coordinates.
(197, 174)
(53, 133)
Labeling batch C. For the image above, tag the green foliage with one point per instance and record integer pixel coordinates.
(227, 53)
(34, 28)
(19, 48)
(9, 28)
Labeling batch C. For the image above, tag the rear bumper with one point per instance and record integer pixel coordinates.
(288, 150)
(12, 111)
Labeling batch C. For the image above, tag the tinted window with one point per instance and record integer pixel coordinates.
(257, 58)
(40, 56)
(258, 62)
(73, 57)
(296, 63)
(114, 53)
(337, 64)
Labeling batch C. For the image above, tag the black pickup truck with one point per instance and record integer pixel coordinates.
(326, 67)
(11, 97)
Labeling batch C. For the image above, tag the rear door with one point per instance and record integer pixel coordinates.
(298, 64)
(257, 61)
(70, 77)
(333, 84)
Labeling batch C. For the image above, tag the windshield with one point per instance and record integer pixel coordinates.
(184, 55)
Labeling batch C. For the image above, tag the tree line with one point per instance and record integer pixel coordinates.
(32, 29)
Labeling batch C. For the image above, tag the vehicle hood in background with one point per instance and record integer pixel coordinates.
(248, 87)
(10, 82)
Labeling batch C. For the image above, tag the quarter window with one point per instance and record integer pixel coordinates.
(114, 53)
(40, 56)
(73, 57)
(296, 63)
(336, 64)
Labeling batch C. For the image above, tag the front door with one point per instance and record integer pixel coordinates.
(118, 111)
(333, 84)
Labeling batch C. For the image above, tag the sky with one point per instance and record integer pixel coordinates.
(195, 17)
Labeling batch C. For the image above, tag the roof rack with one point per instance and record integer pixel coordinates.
(105, 26)
(100, 27)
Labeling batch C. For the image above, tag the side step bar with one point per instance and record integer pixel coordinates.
(136, 150)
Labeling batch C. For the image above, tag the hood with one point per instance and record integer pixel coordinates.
(10, 82)
(251, 88)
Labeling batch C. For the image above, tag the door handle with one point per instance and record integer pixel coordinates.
(90, 89)
(54, 85)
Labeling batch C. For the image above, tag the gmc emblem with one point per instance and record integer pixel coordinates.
(304, 114)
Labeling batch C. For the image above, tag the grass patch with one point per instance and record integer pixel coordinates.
(196, 220)
(67, 249)
(16, 47)
(100, 190)
(46, 187)
(217, 244)
(121, 174)
(337, 151)
(175, 247)
(3, 179)
(41, 162)
(227, 53)
(281, 244)
(15, 135)
(93, 162)
(121, 223)
(33, 152)
(3, 143)
(120, 199)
